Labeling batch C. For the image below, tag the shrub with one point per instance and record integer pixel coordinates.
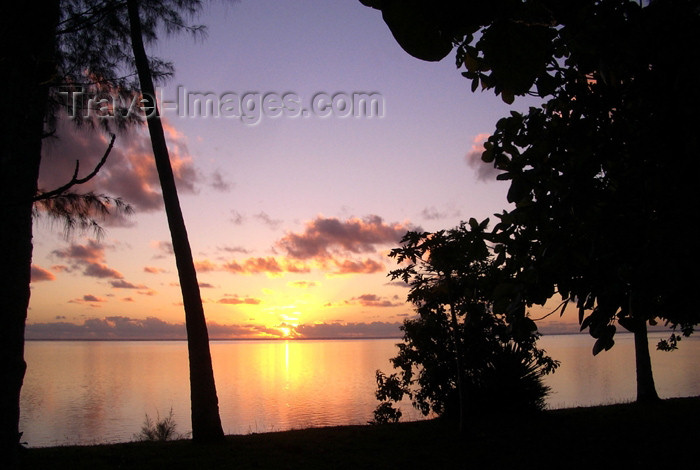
(163, 429)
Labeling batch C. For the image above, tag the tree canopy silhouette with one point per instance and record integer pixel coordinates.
(462, 355)
(598, 173)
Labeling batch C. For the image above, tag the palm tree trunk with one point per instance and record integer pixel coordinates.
(206, 423)
(27, 55)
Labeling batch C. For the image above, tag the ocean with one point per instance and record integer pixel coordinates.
(86, 392)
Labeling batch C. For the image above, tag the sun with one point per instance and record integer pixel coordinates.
(286, 332)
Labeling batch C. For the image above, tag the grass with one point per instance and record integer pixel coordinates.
(631, 435)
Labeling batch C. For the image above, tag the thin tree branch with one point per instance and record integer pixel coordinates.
(75, 180)
(553, 311)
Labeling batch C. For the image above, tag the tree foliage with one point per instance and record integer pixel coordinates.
(462, 354)
(599, 172)
(95, 59)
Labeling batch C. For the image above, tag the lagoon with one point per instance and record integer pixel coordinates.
(85, 392)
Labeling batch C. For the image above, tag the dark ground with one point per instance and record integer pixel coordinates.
(621, 436)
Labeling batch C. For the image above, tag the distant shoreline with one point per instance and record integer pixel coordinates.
(215, 339)
(325, 338)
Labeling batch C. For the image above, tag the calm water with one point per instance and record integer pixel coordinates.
(87, 392)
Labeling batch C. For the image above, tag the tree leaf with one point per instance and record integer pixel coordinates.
(627, 323)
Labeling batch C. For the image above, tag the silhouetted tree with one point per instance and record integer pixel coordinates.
(597, 172)
(28, 61)
(206, 423)
(459, 357)
(72, 49)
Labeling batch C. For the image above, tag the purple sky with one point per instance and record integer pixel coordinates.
(290, 217)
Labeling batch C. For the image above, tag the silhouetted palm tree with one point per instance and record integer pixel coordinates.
(206, 423)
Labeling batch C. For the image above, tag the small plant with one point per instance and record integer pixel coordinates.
(162, 430)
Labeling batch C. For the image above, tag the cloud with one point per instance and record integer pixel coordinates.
(233, 249)
(397, 284)
(153, 270)
(102, 271)
(119, 327)
(484, 171)
(235, 300)
(368, 266)
(91, 300)
(278, 266)
(129, 172)
(349, 330)
(122, 284)
(373, 300)
(304, 284)
(205, 266)
(89, 257)
(218, 182)
(274, 224)
(431, 213)
(114, 327)
(267, 265)
(237, 218)
(206, 285)
(164, 247)
(322, 237)
(40, 274)
(92, 252)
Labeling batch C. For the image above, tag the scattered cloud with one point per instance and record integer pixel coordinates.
(90, 258)
(484, 171)
(349, 330)
(235, 300)
(326, 244)
(153, 270)
(368, 266)
(233, 249)
(397, 284)
(129, 172)
(274, 224)
(40, 274)
(303, 284)
(164, 248)
(205, 266)
(122, 284)
(237, 218)
(373, 300)
(88, 299)
(101, 271)
(432, 213)
(324, 237)
(268, 265)
(219, 183)
(120, 327)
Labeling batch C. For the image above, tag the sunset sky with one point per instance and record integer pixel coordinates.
(290, 218)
